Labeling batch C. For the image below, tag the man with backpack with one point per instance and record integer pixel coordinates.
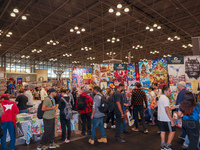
(65, 115)
(97, 118)
(49, 109)
(84, 103)
(119, 111)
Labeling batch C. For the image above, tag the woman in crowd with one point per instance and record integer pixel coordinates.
(110, 115)
(190, 113)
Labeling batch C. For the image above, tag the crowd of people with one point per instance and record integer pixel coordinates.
(88, 104)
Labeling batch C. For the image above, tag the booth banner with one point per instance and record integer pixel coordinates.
(131, 72)
(175, 60)
(192, 68)
(106, 68)
(145, 73)
(87, 70)
(159, 72)
(120, 77)
(37, 126)
(176, 74)
(19, 80)
(96, 75)
(87, 75)
(120, 66)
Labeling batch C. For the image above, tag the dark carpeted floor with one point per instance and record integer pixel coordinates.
(134, 140)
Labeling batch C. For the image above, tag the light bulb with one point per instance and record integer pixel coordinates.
(178, 38)
(151, 52)
(159, 27)
(113, 41)
(13, 14)
(57, 42)
(90, 48)
(82, 49)
(16, 10)
(71, 30)
(24, 18)
(172, 40)
(78, 32)
(76, 27)
(118, 40)
(10, 33)
(126, 10)
(113, 38)
(83, 29)
(169, 38)
(151, 30)
(133, 47)
(155, 25)
(175, 37)
(48, 42)
(118, 13)
(108, 40)
(111, 10)
(138, 45)
(136, 48)
(70, 54)
(119, 6)
(141, 46)
(147, 28)
(54, 43)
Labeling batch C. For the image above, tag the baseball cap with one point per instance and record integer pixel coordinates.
(52, 90)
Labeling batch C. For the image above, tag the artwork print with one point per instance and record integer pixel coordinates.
(145, 73)
(131, 72)
(192, 68)
(96, 75)
(120, 77)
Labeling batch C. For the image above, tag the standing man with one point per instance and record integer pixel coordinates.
(157, 91)
(138, 99)
(182, 90)
(119, 111)
(166, 123)
(22, 102)
(97, 118)
(29, 94)
(72, 98)
(8, 121)
(85, 114)
(43, 92)
(74, 93)
(49, 116)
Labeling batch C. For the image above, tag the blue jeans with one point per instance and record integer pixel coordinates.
(28, 106)
(123, 125)
(23, 111)
(97, 122)
(187, 141)
(9, 125)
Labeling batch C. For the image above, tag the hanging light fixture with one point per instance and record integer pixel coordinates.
(159, 27)
(108, 40)
(71, 30)
(111, 10)
(12, 14)
(24, 18)
(16, 10)
(147, 28)
(155, 25)
(126, 10)
(76, 27)
(78, 32)
(118, 13)
(151, 30)
(119, 6)
(83, 29)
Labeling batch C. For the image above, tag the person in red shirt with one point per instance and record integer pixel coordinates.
(86, 114)
(8, 121)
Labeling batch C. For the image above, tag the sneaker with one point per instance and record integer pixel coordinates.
(91, 142)
(42, 147)
(67, 141)
(135, 129)
(61, 140)
(54, 145)
(152, 124)
(163, 148)
(168, 148)
(83, 133)
(125, 131)
(146, 131)
(184, 147)
(105, 125)
(120, 140)
(113, 126)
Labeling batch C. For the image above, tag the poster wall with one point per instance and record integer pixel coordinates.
(96, 75)
(107, 73)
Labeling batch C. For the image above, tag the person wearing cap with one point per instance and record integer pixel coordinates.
(86, 114)
(49, 116)
(182, 90)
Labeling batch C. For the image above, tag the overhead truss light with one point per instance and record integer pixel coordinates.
(75, 62)
(173, 38)
(92, 64)
(143, 59)
(154, 52)
(113, 40)
(119, 6)
(23, 56)
(86, 48)
(128, 57)
(118, 13)
(16, 10)
(1, 32)
(155, 26)
(111, 53)
(90, 58)
(53, 59)
(187, 46)
(77, 30)
(137, 46)
(167, 55)
(36, 51)
(68, 55)
(9, 34)
(51, 42)
(24, 18)
(12, 14)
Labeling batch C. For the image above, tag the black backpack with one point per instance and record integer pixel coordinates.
(111, 103)
(82, 105)
(104, 108)
(40, 113)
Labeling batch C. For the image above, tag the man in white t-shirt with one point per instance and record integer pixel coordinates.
(166, 123)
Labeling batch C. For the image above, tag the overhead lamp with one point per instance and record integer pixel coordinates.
(175, 36)
(57, 42)
(108, 40)
(172, 40)
(141, 46)
(126, 56)
(16, 10)
(151, 30)
(24, 18)
(119, 6)
(133, 47)
(48, 42)
(155, 25)
(147, 28)
(10, 33)
(86, 47)
(151, 52)
(169, 38)
(27, 56)
(136, 48)
(82, 49)
(76, 27)
(12, 14)
(71, 30)
(90, 48)
(83, 29)
(78, 32)
(54, 43)
(107, 53)
(0, 45)
(138, 45)
(40, 50)
(190, 45)
(113, 41)
(111, 10)
(114, 53)
(159, 27)
(113, 38)
(178, 38)
(70, 54)
(126, 10)
(118, 40)
(118, 13)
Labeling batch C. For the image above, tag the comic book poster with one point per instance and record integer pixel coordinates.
(110, 76)
(103, 85)
(120, 76)
(145, 73)
(189, 86)
(96, 75)
(103, 76)
(192, 68)
(106, 68)
(159, 72)
(176, 74)
(131, 74)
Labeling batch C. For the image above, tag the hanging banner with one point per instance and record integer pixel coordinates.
(145, 73)
(192, 68)
(96, 75)
(175, 60)
(120, 77)
(120, 66)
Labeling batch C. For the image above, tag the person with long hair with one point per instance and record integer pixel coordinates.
(190, 113)
(110, 115)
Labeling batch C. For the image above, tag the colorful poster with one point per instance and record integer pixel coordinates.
(175, 60)
(104, 77)
(145, 73)
(189, 86)
(120, 66)
(37, 126)
(120, 76)
(103, 85)
(96, 75)
(106, 68)
(176, 74)
(19, 80)
(192, 68)
(131, 72)
(87, 75)
(110, 76)
(159, 72)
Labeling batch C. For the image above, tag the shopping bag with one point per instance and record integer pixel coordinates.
(177, 121)
(130, 119)
(18, 130)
